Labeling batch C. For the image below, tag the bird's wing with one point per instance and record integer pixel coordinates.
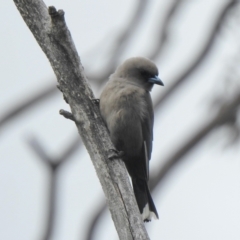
(147, 131)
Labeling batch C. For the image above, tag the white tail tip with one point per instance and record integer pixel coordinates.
(148, 215)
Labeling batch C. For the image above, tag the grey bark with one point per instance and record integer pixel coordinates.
(54, 38)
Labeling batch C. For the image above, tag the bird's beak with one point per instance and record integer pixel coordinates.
(156, 80)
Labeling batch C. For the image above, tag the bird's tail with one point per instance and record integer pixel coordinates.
(144, 200)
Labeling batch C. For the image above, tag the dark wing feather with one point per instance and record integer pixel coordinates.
(147, 131)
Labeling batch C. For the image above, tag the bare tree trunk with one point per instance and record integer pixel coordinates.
(53, 36)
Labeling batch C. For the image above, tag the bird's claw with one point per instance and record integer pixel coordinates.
(96, 101)
(114, 154)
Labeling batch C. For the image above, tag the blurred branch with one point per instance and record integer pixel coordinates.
(227, 114)
(164, 26)
(76, 144)
(94, 221)
(51, 32)
(121, 42)
(200, 57)
(53, 165)
(38, 97)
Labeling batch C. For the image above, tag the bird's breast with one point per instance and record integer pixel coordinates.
(123, 108)
(130, 100)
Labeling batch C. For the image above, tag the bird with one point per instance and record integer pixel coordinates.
(127, 110)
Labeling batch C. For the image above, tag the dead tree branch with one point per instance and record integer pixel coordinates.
(53, 36)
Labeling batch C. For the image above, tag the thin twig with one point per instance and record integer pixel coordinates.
(121, 42)
(66, 114)
(19, 109)
(95, 220)
(200, 57)
(226, 114)
(163, 33)
(53, 164)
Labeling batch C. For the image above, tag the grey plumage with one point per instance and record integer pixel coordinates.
(126, 108)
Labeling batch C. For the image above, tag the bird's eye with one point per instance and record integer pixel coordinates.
(146, 74)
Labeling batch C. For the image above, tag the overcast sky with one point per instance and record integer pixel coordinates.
(200, 198)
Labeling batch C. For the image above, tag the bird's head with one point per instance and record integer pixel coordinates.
(139, 71)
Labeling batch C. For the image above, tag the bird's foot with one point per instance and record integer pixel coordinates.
(147, 220)
(114, 154)
(96, 101)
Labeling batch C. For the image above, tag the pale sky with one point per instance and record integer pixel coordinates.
(200, 198)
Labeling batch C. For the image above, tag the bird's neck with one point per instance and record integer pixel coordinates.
(146, 88)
